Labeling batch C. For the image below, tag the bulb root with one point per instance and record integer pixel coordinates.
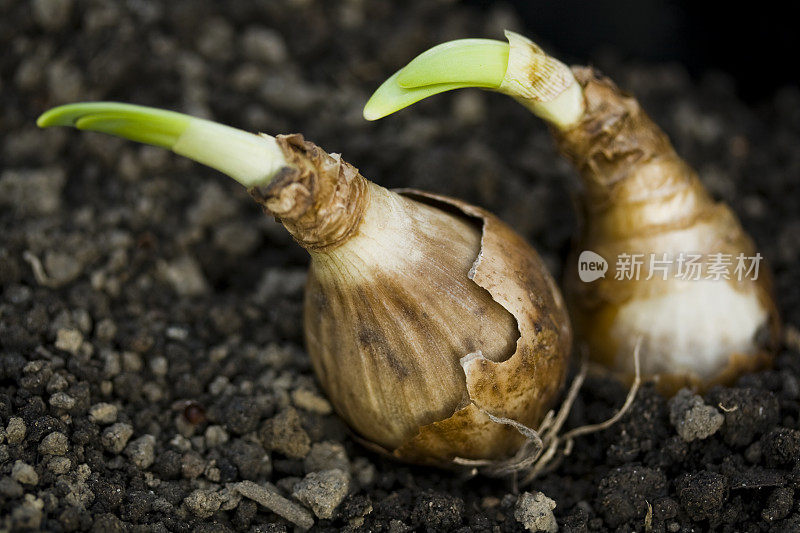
(546, 448)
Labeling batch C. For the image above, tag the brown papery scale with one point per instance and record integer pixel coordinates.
(424, 315)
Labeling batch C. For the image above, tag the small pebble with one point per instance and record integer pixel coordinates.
(142, 451)
(268, 496)
(15, 430)
(192, 465)
(24, 473)
(264, 44)
(69, 340)
(103, 413)
(184, 275)
(59, 465)
(203, 503)
(693, 419)
(323, 491)
(115, 437)
(215, 436)
(62, 400)
(326, 456)
(311, 401)
(159, 365)
(284, 433)
(28, 516)
(56, 443)
(534, 511)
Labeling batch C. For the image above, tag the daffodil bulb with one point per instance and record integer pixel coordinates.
(429, 322)
(657, 259)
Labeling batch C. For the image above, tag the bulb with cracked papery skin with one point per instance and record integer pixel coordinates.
(423, 314)
(427, 320)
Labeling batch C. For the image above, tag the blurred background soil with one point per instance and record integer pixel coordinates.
(152, 370)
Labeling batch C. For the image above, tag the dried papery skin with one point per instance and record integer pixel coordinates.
(395, 301)
(524, 386)
(317, 197)
(639, 196)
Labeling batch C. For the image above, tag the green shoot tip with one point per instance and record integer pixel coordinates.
(249, 159)
(137, 123)
(452, 65)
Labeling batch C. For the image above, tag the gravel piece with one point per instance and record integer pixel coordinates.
(24, 473)
(142, 451)
(15, 430)
(264, 44)
(203, 503)
(267, 496)
(251, 459)
(115, 437)
(192, 465)
(311, 401)
(184, 275)
(323, 491)
(284, 433)
(326, 456)
(693, 419)
(62, 400)
(215, 436)
(103, 413)
(56, 443)
(69, 340)
(59, 465)
(534, 511)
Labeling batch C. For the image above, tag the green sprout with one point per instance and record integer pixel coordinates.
(518, 68)
(452, 65)
(248, 158)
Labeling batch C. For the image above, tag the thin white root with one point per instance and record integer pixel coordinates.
(544, 449)
(38, 270)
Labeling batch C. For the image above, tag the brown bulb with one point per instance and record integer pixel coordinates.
(423, 314)
(698, 327)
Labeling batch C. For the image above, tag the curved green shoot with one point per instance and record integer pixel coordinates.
(479, 62)
(248, 158)
(452, 65)
(390, 97)
(518, 68)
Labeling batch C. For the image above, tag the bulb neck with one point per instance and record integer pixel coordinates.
(626, 162)
(319, 198)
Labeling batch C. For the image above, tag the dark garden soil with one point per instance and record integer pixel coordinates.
(152, 370)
